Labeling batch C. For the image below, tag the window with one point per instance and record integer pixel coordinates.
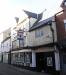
(39, 33)
(22, 57)
(28, 57)
(65, 24)
(14, 44)
(21, 43)
(16, 56)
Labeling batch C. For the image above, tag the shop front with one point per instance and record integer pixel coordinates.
(24, 58)
(47, 60)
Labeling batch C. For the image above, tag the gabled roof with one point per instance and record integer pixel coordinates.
(39, 17)
(41, 23)
(30, 14)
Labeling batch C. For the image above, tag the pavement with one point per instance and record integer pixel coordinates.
(6, 69)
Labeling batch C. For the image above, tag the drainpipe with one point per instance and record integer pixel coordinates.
(52, 30)
(52, 33)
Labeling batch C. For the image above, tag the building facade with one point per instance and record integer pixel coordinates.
(44, 44)
(35, 47)
(37, 44)
(34, 44)
(6, 46)
(21, 53)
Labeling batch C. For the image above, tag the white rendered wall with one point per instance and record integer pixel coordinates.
(6, 46)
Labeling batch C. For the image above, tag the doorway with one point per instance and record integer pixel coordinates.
(45, 61)
(40, 62)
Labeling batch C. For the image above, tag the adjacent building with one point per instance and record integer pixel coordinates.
(6, 45)
(61, 36)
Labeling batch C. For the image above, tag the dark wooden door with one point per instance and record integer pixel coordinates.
(40, 61)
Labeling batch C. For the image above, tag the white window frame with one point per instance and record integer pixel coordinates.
(39, 33)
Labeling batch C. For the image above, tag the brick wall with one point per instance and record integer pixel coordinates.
(61, 32)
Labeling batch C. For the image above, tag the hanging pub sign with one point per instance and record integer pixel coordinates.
(20, 35)
(49, 61)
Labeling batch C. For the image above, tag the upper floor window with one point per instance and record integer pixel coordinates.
(21, 43)
(39, 33)
(65, 24)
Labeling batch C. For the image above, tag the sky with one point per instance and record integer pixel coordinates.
(9, 9)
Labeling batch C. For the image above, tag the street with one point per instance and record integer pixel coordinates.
(6, 69)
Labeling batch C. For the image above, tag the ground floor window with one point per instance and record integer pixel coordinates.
(28, 57)
(16, 56)
(22, 58)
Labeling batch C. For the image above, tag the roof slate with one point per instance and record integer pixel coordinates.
(41, 23)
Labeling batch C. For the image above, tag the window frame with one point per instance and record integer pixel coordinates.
(39, 33)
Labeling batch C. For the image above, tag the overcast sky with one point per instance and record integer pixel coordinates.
(11, 8)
